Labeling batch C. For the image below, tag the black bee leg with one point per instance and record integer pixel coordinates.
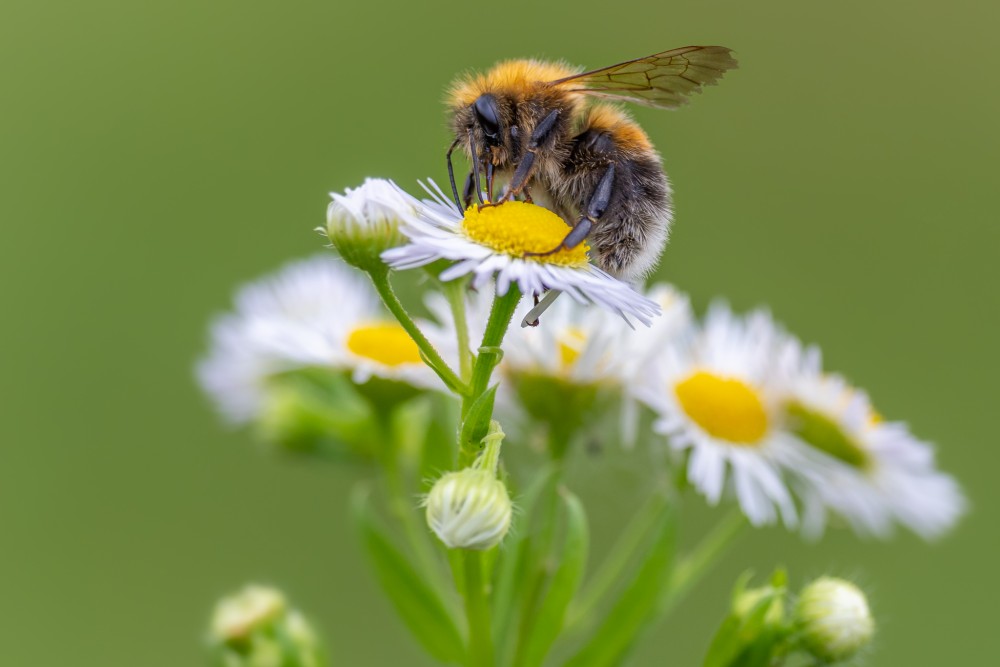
(489, 180)
(475, 168)
(527, 195)
(526, 167)
(467, 190)
(596, 207)
(451, 175)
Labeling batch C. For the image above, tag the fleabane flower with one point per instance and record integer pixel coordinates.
(314, 313)
(256, 627)
(470, 508)
(715, 397)
(833, 619)
(871, 472)
(497, 241)
(363, 222)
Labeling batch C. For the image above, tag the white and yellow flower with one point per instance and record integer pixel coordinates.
(312, 313)
(870, 472)
(497, 242)
(363, 222)
(716, 398)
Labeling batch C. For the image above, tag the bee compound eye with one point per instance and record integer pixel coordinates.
(488, 115)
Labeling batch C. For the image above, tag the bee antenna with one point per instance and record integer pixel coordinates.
(451, 176)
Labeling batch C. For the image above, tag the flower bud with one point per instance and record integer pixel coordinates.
(471, 509)
(256, 628)
(363, 222)
(834, 619)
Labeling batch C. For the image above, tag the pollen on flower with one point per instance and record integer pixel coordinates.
(384, 342)
(516, 228)
(725, 408)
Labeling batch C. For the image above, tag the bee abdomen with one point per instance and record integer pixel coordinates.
(629, 236)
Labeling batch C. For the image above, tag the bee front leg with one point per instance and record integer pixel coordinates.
(526, 167)
(468, 191)
(596, 207)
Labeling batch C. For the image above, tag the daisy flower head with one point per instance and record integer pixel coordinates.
(498, 241)
(312, 313)
(715, 397)
(363, 222)
(872, 473)
(577, 345)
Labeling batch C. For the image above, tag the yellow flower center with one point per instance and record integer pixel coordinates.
(725, 408)
(571, 342)
(516, 228)
(384, 342)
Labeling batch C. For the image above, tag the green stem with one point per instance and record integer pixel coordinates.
(477, 611)
(701, 559)
(611, 570)
(454, 291)
(380, 279)
(489, 356)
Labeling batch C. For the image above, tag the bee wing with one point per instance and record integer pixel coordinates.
(662, 80)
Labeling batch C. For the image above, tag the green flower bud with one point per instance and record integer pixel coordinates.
(834, 619)
(256, 628)
(471, 509)
(363, 223)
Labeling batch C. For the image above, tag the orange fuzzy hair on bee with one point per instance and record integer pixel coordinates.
(518, 78)
(614, 121)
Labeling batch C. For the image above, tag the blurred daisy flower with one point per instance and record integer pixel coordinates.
(312, 313)
(874, 473)
(497, 241)
(715, 396)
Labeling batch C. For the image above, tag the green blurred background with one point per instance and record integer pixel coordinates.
(155, 154)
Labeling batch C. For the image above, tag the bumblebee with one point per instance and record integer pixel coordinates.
(541, 129)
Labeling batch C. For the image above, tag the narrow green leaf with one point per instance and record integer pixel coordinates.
(564, 585)
(419, 605)
(513, 561)
(636, 605)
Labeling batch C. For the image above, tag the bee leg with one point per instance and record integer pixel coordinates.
(475, 168)
(451, 176)
(526, 167)
(467, 190)
(596, 207)
(527, 195)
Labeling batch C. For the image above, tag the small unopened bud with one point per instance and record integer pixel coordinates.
(471, 509)
(363, 222)
(256, 628)
(834, 619)
(748, 601)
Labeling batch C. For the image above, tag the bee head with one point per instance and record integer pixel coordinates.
(487, 115)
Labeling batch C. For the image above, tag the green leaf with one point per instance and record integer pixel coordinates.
(476, 425)
(564, 585)
(636, 605)
(514, 559)
(421, 608)
(751, 634)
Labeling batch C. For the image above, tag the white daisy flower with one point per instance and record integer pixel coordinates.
(495, 242)
(715, 397)
(363, 222)
(873, 473)
(312, 313)
(575, 344)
